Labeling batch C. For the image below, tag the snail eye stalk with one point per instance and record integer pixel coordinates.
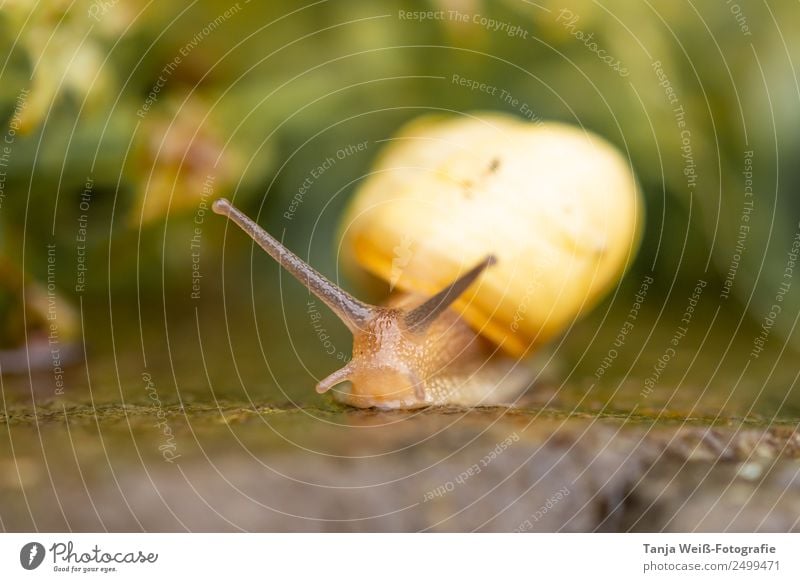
(354, 313)
(419, 318)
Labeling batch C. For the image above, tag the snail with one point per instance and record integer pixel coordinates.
(495, 234)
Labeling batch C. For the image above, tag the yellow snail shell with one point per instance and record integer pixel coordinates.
(556, 205)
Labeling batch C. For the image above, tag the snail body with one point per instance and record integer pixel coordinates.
(497, 233)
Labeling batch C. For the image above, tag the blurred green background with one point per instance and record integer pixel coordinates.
(126, 119)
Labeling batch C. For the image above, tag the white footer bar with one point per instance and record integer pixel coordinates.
(387, 557)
